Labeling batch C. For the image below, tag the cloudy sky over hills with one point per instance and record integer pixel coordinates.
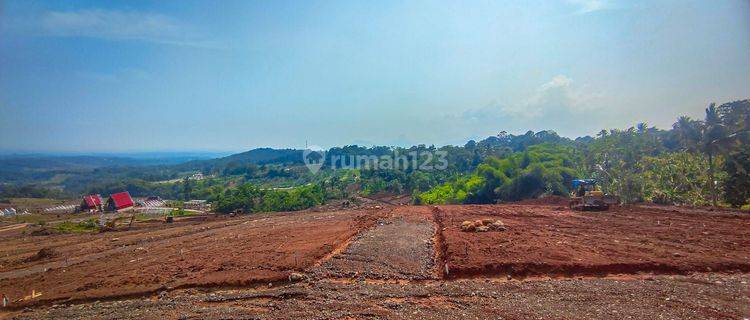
(204, 75)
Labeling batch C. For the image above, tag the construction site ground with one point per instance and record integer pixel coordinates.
(390, 261)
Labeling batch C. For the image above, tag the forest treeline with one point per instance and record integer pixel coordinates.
(695, 162)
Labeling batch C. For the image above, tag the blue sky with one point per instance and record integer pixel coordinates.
(222, 75)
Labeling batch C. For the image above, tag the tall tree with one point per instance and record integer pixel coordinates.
(737, 180)
(713, 133)
(736, 117)
(688, 132)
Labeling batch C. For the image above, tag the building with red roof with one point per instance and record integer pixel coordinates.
(119, 201)
(91, 202)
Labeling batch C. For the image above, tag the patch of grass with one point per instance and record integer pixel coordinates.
(180, 213)
(89, 225)
(146, 217)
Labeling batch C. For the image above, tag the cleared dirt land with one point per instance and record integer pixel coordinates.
(392, 262)
(699, 296)
(554, 241)
(237, 252)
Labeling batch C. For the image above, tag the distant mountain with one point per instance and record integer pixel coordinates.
(41, 162)
(266, 155)
(258, 156)
(167, 157)
(38, 168)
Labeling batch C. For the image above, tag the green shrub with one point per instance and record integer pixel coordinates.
(676, 178)
(541, 169)
(737, 178)
(250, 198)
(180, 212)
(89, 225)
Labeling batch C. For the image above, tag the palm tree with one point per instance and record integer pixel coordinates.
(641, 128)
(602, 133)
(708, 137)
(724, 129)
(688, 132)
(736, 118)
(713, 139)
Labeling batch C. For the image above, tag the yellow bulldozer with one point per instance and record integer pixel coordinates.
(587, 195)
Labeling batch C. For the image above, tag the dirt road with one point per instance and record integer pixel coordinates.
(394, 248)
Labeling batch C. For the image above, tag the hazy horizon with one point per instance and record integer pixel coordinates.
(197, 76)
(302, 146)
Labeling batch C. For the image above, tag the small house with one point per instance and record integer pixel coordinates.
(91, 202)
(119, 201)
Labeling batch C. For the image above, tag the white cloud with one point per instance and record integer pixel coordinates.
(588, 6)
(560, 104)
(119, 25)
(561, 95)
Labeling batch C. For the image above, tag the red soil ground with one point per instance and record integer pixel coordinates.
(400, 256)
(546, 201)
(554, 241)
(237, 252)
